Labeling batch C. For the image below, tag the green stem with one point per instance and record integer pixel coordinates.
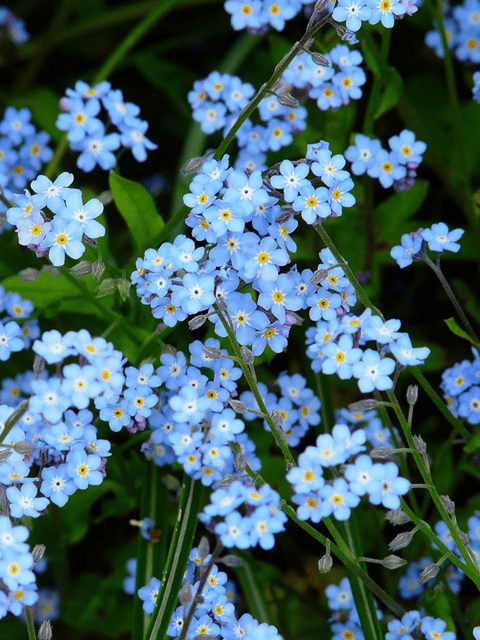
(474, 572)
(158, 10)
(190, 504)
(257, 605)
(378, 81)
(252, 383)
(12, 420)
(452, 297)
(438, 402)
(266, 88)
(30, 625)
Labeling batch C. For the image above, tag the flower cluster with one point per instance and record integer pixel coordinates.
(258, 15)
(335, 343)
(86, 132)
(438, 237)
(212, 598)
(354, 12)
(461, 387)
(396, 167)
(23, 150)
(462, 27)
(262, 517)
(72, 218)
(191, 423)
(318, 498)
(13, 27)
(14, 336)
(334, 82)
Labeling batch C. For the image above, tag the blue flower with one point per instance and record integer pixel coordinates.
(133, 136)
(23, 501)
(97, 148)
(373, 371)
(384, 11)
(57, 485)
(387, 486)
(403, 351)
(291, 179)
(410, 249)
(64, 238)
(51, 194)
(440, 239)
(353, 12)
(83, 468)
(10, 339)
(149, 595)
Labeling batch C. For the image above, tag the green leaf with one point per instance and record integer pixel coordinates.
(458, 331)
(393, 213)
(473, 444)
(391, 93)
(137, 208)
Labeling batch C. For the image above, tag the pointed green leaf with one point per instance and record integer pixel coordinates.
(138, 209)
(390, 94)
(458, 331)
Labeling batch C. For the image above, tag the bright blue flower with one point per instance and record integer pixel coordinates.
(359, 475)
(15, 570)
(10, 339)
(188, 407)
(97, 148)
(275, 336)
(80, 119)
(405, 253)
(12, 539)
(385, 12)
(312, 202)
(339, 357)
(353, 12)
(387, 486)
(119, 111)
(362, 154)
(247, 191)
(291, 179)
(400, 629)
(440, 239)
(132, 135)
(64, 238)
(469, 405)
(279, 296)
(51, 194)
(48, 399)
(372, 372)
(57, 485)
(235, 531)
(323, 304)
(435, 628)
(83, 214)
(16, 124)
(386, 167)
(149, 595)
(23, 501)
(83, 468)
(244, 13)
(407, 148)
(403, 351)
(196, 293)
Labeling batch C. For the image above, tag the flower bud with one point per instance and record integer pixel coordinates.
(412, 394)
(82, 268)
(401, 541)
(247, 355)
(397, 516)
(231, 560)
(325, 563)
(98, 267)
(393, 562)
(185, 596)
(238, 406)
(363, 405)
(319, 276)
(448, 504)
(382, 453)
(192, 166)
(212, 353)
(420, 444)
(29, 275)
(277, 418)
(317, 58)
(24, 448)
(5, 454)
(429, 572)
(45, 631)
(287, 100)
(38, 552)
(240, 462)
(106, 197)
(123, 286)
(106, 288)
(197, 322)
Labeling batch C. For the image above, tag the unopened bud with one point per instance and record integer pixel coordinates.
(287, 100)
(24, 448)
(106, 197)
(247, 355)
(212, 353)
(45, 631)
(277, 418)
(51, 270)
(38, 365)
(98, 267)
(319, 276)
(363, 405)
(123, 286)
(38, 552)
(393, 562)
(285, 215)
(325, 563)
(169, 349)
(201, 636)
(448, 504)
(240, 462)
(429, 572)
(5, 454)
(319, 59)
(381, 452)
(106, 288)
(185, 596)
(231, 561)
(401, 541)
(192, 166)
(238, 406)
(197, 322)
(412, 394)
(420, 444)
(397, 517)
(29, 275)
(203, 548)
(82, 268)
(227, 480)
